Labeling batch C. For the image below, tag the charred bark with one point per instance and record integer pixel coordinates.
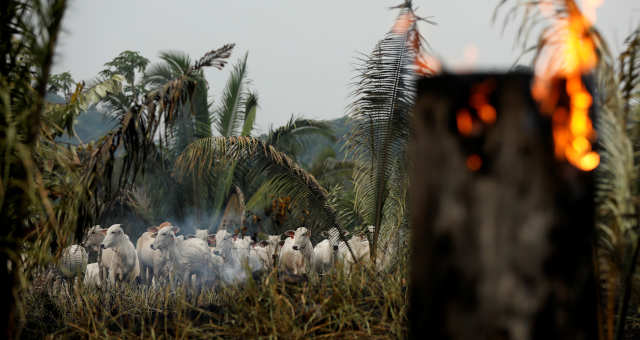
(500, 249)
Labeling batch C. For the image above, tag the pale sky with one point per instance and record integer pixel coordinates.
(302, 53)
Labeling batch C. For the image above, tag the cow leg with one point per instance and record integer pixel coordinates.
(150, 274)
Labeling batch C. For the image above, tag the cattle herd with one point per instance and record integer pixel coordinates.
(162, 256)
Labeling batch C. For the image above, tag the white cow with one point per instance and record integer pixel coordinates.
(360, 246)
(152, 263)
(93, 241)
(296, 255)
(186, 257)
(92, 275)
(202, 234)
(124, 266)
(325, 252)
(267, 250)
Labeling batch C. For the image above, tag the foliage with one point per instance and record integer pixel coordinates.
(137, 133)
(286, 176)
(63, 116)
(289, 138)
(229, 116)
(234, 116)
(28, 35)
(127, 63)
(380, 113)
(62, 84)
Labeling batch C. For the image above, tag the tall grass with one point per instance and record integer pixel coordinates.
(365, 304)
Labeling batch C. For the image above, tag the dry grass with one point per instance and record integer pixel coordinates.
(363, 305)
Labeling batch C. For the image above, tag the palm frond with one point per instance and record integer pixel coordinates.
(250, 109)
(136, 134)
(289, 138)
(64, 115)
(215, 58)
(629, 74)
(228, 116)
(330, 171)
(286, 176)
(382, 99)
(195, 121)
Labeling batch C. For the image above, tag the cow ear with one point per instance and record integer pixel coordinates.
(152, 229)
(103, 231)
(263, 243)
(281, 243)
(290, 233)
(175, 229)
(163, 224)
(154, 234)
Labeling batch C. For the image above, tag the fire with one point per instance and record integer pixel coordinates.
(474, 162)
(426, 64)
(573, 131)
(464, 121)
(403, 23)
(480, 101)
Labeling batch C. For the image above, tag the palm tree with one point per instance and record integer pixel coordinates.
(235, 116)
(382, 99)
(194, 122)
(290, 138)
(137, 133)
(284, 174)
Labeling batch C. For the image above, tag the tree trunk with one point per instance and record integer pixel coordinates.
(502, 251)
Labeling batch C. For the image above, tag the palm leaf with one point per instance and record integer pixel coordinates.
(289, 138)
(64, 115)
(228, 115)
(286, 176)
(137, 134)
(382, 100)
(250, 108)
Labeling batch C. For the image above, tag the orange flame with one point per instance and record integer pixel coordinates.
(474, 162)
(403, 23)
(573, 131)
(464, 121)
(480, 101)
(426, 64)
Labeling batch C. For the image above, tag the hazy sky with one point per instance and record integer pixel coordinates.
(301, 53)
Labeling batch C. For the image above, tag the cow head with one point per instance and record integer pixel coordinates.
(165, 237)
(113, 236)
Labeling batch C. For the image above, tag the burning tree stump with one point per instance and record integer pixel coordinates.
(502, 231)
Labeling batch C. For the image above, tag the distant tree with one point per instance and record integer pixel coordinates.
(127, 64)
(61, 84)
